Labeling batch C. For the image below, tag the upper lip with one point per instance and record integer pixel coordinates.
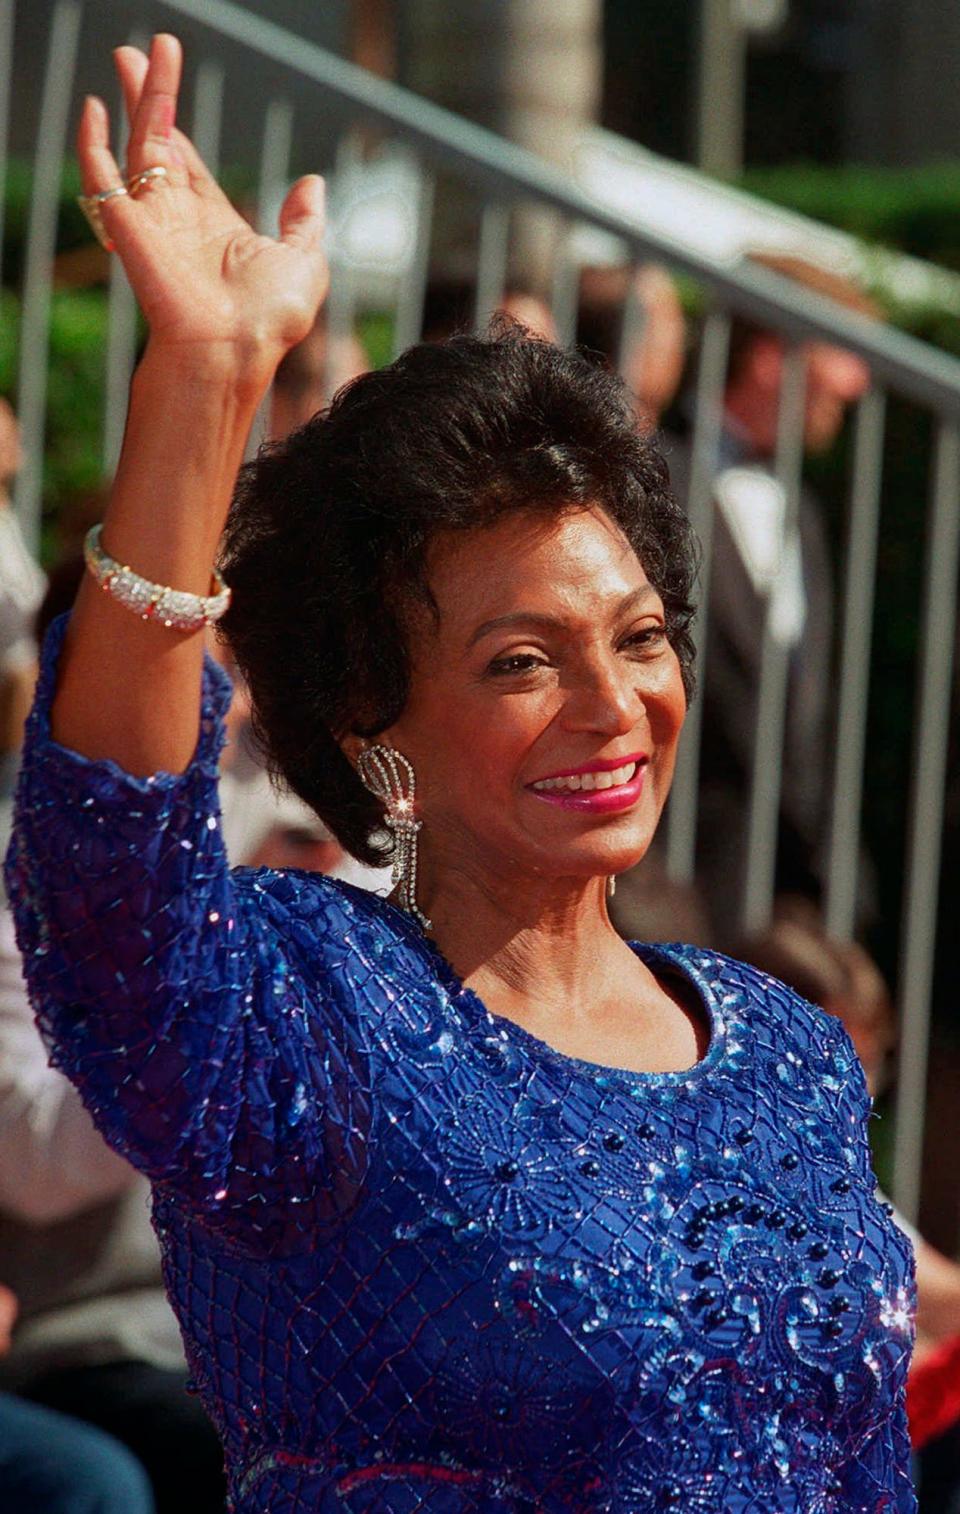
(599, 765)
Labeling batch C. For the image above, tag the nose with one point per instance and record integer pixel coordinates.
(604, 697)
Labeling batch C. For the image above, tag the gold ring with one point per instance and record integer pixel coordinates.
(91, 204)
(146, 179)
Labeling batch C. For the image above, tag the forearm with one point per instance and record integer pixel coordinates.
(130, 689)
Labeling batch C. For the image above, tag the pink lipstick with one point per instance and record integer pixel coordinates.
(601, 787)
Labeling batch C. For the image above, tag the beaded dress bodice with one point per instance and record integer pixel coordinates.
(421, 1260)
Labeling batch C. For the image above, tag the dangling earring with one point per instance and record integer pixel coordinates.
(611, 885)
(390, 778)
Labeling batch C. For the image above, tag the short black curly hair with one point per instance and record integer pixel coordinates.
(327, 537)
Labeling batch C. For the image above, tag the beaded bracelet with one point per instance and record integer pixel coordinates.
(173, 608)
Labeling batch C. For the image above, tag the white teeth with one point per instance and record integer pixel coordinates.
(587, 782)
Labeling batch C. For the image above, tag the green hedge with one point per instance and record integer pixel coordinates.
(75, 389)
(916, 209)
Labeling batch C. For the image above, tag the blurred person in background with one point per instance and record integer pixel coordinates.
(650, 353)
(449, 307)
(51, 1464)
(21, 590)
(761, 568)
(842, 978)
(310, 375)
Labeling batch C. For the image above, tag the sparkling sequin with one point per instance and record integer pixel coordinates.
(424, 1262)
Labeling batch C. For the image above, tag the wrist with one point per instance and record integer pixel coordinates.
(223, 370)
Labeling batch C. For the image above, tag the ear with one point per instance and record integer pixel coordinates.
(351, 746)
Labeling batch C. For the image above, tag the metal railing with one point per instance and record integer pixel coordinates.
(504, 176)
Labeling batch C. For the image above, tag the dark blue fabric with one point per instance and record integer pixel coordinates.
(51, 1464)
(422, 1260)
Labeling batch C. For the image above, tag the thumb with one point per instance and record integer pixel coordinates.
(303, 214)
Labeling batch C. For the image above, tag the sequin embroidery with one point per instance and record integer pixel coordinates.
(421, 1260)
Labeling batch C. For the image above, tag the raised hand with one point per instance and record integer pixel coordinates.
(199, 271)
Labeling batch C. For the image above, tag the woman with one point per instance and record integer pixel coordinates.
(465, 1204)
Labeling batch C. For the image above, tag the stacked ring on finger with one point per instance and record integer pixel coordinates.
(146, 180)
(91, 207)
(134, 185)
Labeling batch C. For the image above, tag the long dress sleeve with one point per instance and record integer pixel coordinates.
(166, 989)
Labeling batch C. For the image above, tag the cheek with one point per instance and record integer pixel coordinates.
(667, 703)
(481, 749)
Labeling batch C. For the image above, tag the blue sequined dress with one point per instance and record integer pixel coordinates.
(421, 1260)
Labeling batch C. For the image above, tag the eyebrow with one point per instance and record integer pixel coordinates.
(552, 622)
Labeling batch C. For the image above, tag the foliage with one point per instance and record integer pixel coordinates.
(914, 209)
(75, 389)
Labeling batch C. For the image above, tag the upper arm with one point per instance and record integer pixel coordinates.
(206, 1051)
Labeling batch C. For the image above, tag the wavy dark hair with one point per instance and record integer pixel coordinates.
(327, 538)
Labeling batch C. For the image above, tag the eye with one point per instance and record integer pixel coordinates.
(647, 638)
(515, 662)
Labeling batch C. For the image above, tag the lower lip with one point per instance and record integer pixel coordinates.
(596, 801)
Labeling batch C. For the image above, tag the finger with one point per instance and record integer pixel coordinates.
(131, 65)
(151, 130)
(303, 214)
(98, 166)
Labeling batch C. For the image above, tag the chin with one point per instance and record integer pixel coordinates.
(601, 861)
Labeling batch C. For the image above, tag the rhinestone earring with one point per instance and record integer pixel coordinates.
(611, 885)
(390, 778)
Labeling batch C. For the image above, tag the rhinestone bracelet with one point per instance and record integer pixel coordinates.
(173, 608)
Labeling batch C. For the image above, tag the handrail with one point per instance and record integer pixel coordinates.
(507, 170)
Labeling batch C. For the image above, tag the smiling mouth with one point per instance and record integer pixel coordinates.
(576, 783)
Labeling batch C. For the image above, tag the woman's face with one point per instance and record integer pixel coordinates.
(545, 705)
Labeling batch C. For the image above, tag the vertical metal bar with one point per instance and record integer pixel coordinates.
(413, 289)
(274, 161)
(341, 307)
(843, 857)
(565, 296)
(120, 357)
(926, 814)
(491, 262)
(721, 63)
(766, 779)
(704, 462)
(121, 329)
(208, 113)
(6, 64)
(41, 246)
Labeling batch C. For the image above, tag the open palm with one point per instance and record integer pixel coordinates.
(199, 271)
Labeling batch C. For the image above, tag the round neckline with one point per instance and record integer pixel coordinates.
(674, 958)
